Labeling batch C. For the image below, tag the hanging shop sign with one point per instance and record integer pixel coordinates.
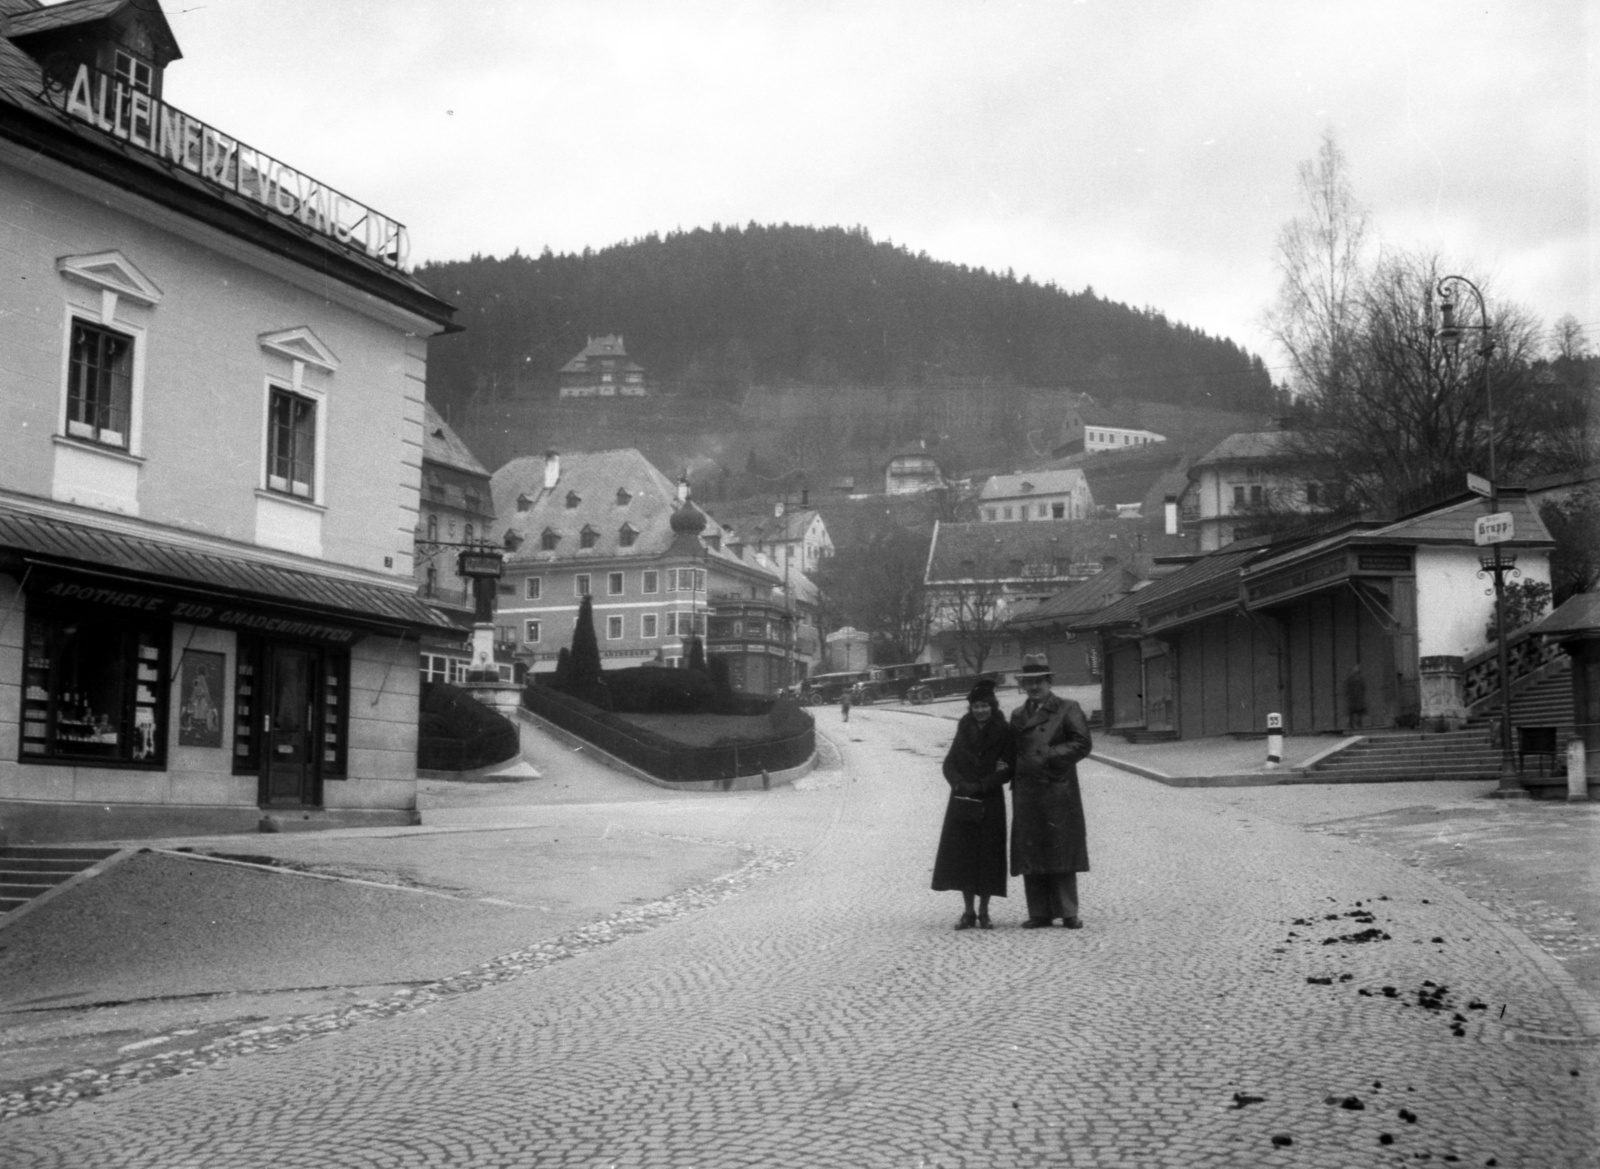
(173, 137)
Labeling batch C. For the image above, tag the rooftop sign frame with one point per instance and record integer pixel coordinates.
(175, 139)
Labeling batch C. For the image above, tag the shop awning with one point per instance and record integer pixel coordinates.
(118, 568)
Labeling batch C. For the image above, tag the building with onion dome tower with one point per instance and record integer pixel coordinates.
(610, 526)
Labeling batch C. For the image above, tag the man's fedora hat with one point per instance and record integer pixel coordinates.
(1034, 666)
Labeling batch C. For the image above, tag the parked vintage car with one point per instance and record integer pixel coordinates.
(825, 689)
(946, 685)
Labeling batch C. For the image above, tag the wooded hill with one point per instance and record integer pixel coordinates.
(710, 313)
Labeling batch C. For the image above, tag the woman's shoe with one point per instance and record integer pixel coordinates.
(968, 920)
(984, 923)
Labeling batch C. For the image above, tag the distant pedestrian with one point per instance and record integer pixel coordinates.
(844, 705)
(1049, 842)
(972, 843)
(1355, 697)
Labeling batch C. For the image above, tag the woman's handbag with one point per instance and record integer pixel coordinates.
(966, 810)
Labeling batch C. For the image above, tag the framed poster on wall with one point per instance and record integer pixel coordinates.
(200, 695)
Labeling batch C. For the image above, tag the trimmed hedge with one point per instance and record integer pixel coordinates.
(654, 690)
(456, 732)
(793, 742)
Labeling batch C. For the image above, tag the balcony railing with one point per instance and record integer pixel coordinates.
(1525, 655)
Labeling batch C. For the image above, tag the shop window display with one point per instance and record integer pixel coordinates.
(94, 691)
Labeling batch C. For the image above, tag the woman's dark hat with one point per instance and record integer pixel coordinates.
(1035, 666)
(982, 692)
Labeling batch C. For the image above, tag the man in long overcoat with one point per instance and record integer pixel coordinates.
(1049, 845)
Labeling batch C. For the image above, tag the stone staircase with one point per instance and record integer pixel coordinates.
(1141, 735)
(27, 870)
(1396, 756)
(1545, 700)
(1472, 753)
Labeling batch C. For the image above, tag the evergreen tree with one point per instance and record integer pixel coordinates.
(583, 677)
(697, 655)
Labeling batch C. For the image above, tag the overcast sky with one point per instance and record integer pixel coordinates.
(1145, 148)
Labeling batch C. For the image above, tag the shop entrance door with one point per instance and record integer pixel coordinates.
(291, 762)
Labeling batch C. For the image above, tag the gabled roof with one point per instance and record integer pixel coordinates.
(608, 346)
(1453, 523)
(1015, 551)
(1090, 596)
(27, 23)
(1129, 474)
(1577, 614)
(594, 478)
(755, 523)
(1457, 522)
(1195, 578)
(443, 446)
(1261, 444)
(1028, 483)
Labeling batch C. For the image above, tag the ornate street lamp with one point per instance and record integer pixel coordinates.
(1494, 562)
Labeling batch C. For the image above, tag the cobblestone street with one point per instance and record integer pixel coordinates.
(1244, 993)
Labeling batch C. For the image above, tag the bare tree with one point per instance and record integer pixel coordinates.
(1319, 260)
(974, 611)
(1568, 340)
(1406, 411)
(876, 586)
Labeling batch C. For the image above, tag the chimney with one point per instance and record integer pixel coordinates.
(683, 487)
(1172, 515)
(805, 497)
(552, 470)
(777, 510)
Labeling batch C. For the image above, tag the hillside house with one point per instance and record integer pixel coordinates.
(1036, 495)
(911, 471)
(602, 369)
(1243, 480)
(794, 537)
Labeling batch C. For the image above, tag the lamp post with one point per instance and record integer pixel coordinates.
(1450, 333)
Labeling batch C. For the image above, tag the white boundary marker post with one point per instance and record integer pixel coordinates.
(1274, 739)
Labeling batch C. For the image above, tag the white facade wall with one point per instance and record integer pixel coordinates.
(205, 377)
(1455, 605)
(197, 467)
(1117, 438)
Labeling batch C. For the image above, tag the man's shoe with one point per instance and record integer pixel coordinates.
(1036, 923)
(1072, 923)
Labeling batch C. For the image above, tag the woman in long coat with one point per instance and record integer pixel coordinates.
(972, 853)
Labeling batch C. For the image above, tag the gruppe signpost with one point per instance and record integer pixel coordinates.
(1494, 529)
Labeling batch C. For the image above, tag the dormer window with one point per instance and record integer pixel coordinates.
(549, 539)
(588, 538)
(573, 500)
(523, 503)
(627, 535)
(623, 498)
(512, 541)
